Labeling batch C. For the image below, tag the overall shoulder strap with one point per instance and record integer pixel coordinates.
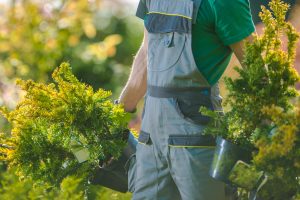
(166, 16)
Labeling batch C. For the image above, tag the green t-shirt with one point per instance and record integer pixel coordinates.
(219, 24)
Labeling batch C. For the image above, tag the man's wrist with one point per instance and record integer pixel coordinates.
(117, 101)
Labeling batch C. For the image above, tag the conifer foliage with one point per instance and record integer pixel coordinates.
(53, 119)
(263, 115)
(279, 155)
(267, 78)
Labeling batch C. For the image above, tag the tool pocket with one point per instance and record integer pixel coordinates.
(188, 108)
(165, 50)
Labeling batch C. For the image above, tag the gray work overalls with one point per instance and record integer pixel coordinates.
(173, 157)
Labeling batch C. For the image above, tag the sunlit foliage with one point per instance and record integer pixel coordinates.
(15, 189)
(35, 37)
(262, 115)
(55, 118)
(267, 78)
(279, 154)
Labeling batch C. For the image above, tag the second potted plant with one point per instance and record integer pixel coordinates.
(267, 79)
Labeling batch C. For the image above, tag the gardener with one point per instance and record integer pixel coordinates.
(186, 48)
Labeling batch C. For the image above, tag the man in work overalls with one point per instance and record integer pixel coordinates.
(186, 48)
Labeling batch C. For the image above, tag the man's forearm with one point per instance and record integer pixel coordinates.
(238, 48)
(136, 85)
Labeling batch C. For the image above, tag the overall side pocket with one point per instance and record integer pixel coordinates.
(197, 150)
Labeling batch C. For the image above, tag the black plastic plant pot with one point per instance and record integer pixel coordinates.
(114, 174)
(225, 157)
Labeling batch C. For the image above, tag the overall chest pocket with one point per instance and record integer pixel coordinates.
(189, 108)
(165, 50)
(169, 22)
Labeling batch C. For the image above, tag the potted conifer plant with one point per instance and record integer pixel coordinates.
(267, 79)
(66, 128)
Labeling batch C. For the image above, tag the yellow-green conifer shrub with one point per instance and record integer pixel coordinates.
(279, 155)
(261, 99)
(267, 77)
(12, 188)
(51, 118)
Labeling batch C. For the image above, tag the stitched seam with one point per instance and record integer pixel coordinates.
(186, 136)
(170, 14)
(179, 146)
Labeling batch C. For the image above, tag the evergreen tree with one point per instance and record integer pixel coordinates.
(55, 119)
(262, 115)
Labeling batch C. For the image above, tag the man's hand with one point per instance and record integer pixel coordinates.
(136, 85)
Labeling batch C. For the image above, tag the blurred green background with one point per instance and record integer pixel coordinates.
(97, 37)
